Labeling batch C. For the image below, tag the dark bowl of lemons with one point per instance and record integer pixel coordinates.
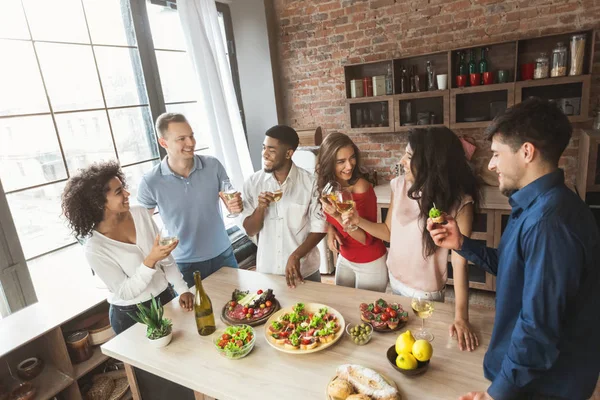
(406, 363)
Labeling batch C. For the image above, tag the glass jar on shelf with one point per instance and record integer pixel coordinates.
(541, 66)
(577, 54)
(559, 60)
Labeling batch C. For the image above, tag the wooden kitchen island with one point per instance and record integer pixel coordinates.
(267, 374)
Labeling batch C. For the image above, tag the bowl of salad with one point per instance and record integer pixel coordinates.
(235, 341)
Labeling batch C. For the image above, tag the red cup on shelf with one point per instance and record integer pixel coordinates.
(461, 80)
(527, 71)
(488, 78)
(475, 79)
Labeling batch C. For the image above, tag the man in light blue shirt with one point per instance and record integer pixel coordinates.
(186, 189)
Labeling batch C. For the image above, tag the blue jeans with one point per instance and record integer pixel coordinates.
(206, 268)
(315, 277)
(119, 315)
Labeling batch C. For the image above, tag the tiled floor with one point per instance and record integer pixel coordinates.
(479, 298)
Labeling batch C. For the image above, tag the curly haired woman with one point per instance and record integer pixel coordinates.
(122, 245)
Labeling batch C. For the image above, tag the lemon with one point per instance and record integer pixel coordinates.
(406, 360)
(404, 342)
(422, 350)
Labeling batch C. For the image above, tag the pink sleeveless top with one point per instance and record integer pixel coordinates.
(405, 258)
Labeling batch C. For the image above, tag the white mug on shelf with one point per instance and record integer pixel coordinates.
(442, 81)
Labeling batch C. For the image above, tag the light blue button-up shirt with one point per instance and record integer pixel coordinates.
(189, 207)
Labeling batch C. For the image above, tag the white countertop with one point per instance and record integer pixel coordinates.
(267, 374)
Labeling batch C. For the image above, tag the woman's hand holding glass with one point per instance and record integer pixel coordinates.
(158, 252)
(350, 218)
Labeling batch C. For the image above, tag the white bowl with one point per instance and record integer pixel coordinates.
(161, 342)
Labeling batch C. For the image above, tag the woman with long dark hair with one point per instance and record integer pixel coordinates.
(436, 171)
(121, 243)
(361, 260)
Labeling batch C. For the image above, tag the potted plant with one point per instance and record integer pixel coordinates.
(159, 330)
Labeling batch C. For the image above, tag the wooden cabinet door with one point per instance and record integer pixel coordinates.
(483, 231)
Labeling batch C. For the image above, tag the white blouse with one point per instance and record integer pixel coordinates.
(121, 265)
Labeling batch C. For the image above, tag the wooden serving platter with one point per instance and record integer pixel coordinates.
(388, 380)
(230, 321)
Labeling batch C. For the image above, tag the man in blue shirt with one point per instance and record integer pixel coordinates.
(545, 342)
(186, 188)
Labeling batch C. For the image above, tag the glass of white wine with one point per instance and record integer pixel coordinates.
(344, 203)
(166, 238)
(423, 308)
(275, 188)
(230, 193)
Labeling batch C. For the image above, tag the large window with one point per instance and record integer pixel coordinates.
(82, 81)
(73, 94)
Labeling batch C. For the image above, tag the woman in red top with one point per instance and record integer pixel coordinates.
(361, 261)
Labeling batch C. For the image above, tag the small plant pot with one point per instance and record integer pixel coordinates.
(161, 342)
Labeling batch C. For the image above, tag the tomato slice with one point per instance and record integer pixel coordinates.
(305, 341)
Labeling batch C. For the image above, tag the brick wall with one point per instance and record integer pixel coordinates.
(315, 39)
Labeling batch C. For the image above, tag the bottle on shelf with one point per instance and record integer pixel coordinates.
(483, 63)
(472, 64)
(462, 65)
(415, 79)
(389, 84)
(403, 81)
(203, 311)
(430, 76)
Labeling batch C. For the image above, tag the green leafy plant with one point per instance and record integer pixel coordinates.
(152, 317)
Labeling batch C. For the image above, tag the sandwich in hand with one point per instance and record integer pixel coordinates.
(437, 217)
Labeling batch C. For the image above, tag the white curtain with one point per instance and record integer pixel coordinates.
(221, 116)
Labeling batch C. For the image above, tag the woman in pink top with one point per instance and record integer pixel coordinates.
(435, 171)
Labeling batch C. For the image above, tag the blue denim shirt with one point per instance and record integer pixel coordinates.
(546, 336)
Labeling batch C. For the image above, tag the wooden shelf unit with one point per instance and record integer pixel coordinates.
(507, 55)
(59, 375)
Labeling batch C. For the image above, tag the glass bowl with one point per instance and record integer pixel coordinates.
(235, 354)
(349, 328)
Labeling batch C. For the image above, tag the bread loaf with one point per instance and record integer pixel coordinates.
(366, 381)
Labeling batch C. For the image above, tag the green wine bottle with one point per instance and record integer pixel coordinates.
(472, 64)
(462, 66)
(205, 318)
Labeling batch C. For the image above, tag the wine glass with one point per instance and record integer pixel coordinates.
(423, 308)
(275, 188)
(329, 191)
(166, 238)
(230, 192)
(344, 203)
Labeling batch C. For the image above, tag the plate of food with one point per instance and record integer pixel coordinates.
(249, 307)
(304, 328)
(355, 382)
(384, 316)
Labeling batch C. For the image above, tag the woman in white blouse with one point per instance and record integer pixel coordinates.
(122, 245)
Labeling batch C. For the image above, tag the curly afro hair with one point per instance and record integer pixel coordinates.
(84, 197)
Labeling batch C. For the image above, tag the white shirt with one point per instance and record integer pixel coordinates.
(300, 214)
(121, 265)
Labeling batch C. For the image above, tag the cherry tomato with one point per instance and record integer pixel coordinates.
(232, 303)
(385, 316)
(262, 305)
(222, 343)
(393, 314)
(245, 310)
(305, 341)
(225, 336)
(259, 291)
(376, 310)
(251, 311)
(388, 310)
(268, 303)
